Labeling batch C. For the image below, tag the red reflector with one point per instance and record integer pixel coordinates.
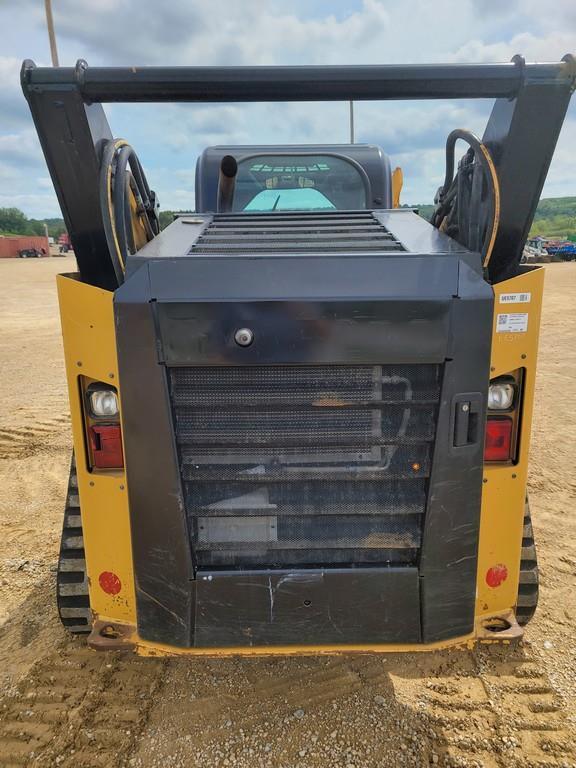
(498, 444)
(496, 575)
(106, 444)
(109, 583)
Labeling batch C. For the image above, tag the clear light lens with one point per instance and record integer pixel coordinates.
(500, 396)
(104, 403)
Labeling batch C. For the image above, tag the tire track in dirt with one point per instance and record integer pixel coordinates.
(18, 442)
(531, 709)
(306, 712)
(78, 708)
(480, 709)
(492, 708)
(496, 709)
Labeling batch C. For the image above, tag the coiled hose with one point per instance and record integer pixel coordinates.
(127, 203)
(468, 205)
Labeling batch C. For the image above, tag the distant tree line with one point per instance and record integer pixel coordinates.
(167, 217)
(14, 222)
(555, 217)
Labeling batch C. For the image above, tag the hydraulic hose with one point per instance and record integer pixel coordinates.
(468, 205)
(122, 180)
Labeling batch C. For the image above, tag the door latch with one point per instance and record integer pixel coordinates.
(467, 412)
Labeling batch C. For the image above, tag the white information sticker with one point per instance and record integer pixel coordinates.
(515, 298)
(512, 322)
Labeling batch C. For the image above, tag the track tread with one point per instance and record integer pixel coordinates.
(529, 579)
(71, 582)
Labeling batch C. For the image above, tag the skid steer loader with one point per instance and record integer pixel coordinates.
(301, 414)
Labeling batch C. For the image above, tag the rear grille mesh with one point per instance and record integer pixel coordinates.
(349, 231)
(337, 478)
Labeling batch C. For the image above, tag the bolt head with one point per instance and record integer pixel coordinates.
(244, 337)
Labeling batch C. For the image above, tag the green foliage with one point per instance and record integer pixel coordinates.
(425, 211)
(555, 217)
(14, 222)
(165, 218)
(56, 227)
(556, 206)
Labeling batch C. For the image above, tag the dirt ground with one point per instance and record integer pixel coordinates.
(62, 705)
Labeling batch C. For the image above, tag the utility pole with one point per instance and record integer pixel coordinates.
(351, 122)
(51, 34)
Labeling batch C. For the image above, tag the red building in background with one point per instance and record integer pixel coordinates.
(10, 246)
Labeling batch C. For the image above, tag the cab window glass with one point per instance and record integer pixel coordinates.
(298, 183)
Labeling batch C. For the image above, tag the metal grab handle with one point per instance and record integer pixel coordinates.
(467, 412)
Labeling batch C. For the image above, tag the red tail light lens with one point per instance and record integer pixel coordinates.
(498, 444)
(106, 445)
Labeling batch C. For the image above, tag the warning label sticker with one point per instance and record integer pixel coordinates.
(512, 322)
(515, 298)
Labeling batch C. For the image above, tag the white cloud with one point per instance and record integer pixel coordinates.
(21, 149)
(36, 205)
(13, 108)
(549, 47)
(561, 179)
(217, 32)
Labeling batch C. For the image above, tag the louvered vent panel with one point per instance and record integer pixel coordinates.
(342, 231)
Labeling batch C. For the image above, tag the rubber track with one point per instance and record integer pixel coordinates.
(71, 581)
(528, 586)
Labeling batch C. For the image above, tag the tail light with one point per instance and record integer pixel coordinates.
(103, 430)
(503, 419)
(498, 444)
(501, 395)
(106, 446)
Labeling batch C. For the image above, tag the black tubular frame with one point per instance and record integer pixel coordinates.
(521, 134)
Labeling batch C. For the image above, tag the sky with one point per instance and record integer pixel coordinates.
(168, 138)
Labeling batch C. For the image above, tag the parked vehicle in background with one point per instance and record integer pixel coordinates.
(534, 251)
(64, 243)
(565, 250)
(32, 253)
(545, 249)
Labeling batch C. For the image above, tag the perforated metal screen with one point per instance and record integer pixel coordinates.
(305, 465)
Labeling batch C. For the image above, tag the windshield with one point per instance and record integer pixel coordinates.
(298, 183)
(289, 200)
